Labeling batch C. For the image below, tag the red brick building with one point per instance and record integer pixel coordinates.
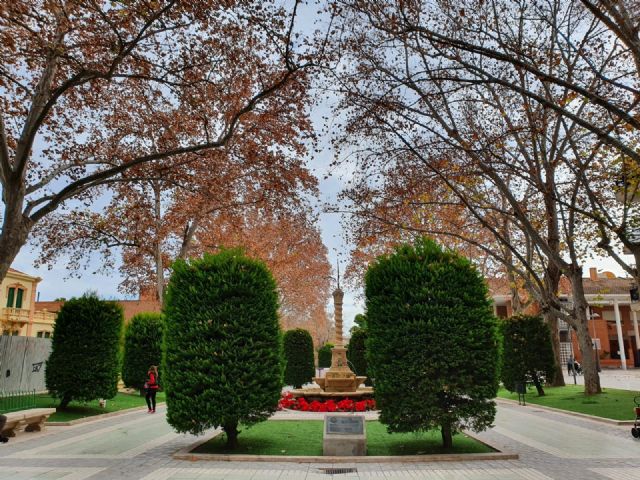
(613, 323)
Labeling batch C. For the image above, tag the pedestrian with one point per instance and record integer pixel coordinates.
(152, 388)
(570, 365)
(3, 422)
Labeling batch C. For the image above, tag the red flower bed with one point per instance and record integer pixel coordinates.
(288, 401)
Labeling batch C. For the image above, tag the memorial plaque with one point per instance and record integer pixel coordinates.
(343, 425)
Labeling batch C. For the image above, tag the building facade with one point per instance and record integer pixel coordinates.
(613, 325)
(19, 314)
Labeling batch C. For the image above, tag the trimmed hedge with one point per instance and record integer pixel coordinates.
(324, 355)
(223, 360)
(298, 354)
(142, 347)
(433, 341)
(83, 364)
(527, 352)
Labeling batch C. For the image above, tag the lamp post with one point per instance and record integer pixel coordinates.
(593, 316)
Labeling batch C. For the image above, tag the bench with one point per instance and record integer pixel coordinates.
(31, 420)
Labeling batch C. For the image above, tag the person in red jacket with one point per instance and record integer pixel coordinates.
(152, 388)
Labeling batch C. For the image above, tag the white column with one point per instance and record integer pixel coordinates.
(623, 355)
(635, 329)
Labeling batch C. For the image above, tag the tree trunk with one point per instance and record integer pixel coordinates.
(231, 429)
(558, 378)
(447, 436)
(158, 245)
(65, 401)
(15, 230)
(538, 385)
(581, 327)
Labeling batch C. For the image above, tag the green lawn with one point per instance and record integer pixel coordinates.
(77, 410)
(612, 403)
(287, 437)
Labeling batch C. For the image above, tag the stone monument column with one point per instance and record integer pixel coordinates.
(338, 296)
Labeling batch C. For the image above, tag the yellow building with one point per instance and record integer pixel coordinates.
(18, 314)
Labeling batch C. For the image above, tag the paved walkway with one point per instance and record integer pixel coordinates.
(613, 378)
(140, 446)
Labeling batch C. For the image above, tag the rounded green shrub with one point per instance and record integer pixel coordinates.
(142, 347)
(433, 343)
(324, 355)
(83, 364)
(298, 354)
(356, 353)
(527, 352)
(223, 360)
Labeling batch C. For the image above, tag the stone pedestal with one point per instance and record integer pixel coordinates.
(344, 435)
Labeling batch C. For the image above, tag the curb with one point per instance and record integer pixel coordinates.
(585, 416)
(185, 454)
(100, 416)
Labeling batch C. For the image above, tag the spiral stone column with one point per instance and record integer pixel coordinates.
(338, 296)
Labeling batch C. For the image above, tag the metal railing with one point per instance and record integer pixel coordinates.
(18, 400)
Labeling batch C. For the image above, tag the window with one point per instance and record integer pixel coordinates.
(14, 297)
(39, 334)
(43, 334)
(16, 333)
(47, 334)
(5, 332)
(19, 293)
(10, 297)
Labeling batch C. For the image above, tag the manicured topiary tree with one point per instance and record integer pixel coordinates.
(356, 352)
(527, 352)
(324, 355)
(142, 347)
(298, 354)
(83, 364)
(223, 360)
(433, 342)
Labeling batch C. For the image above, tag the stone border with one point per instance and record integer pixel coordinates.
(99, 416)
(186, 454)
(585, 416)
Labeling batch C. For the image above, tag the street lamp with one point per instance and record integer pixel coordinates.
(593, 316)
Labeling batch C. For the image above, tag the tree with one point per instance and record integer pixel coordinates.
(433, 346)
(223, 361)
(83, 364)
(324, 355)
(488, 133)
(526, 352)
(92, 90)
(142, 347)
(360, 321)
(356, 352)
(298, 354)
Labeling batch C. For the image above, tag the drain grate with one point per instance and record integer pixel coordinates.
(338, 471)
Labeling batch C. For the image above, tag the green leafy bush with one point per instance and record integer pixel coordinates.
(298, 354)
(324, 355)
(356, 352)
(83, 364)
(433, 344)
(527, 352)
(142, 347)
(223, 360)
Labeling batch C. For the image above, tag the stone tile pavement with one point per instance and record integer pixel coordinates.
(140, 446)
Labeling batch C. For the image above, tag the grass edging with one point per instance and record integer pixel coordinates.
(100, 416)
(585, 416)
(186, 454)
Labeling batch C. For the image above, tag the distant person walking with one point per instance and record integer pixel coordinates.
(571, 365)
(3, 422)
(152, 388)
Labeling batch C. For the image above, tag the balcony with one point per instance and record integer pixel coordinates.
(17, 317)
(43, 316)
